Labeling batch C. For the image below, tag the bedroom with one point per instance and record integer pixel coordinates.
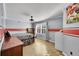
(38, 29)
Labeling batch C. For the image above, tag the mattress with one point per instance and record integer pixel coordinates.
(23, 35)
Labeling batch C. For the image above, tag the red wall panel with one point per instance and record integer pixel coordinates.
(53, 30)
(14, 29)
(1, 32)
(71, 31)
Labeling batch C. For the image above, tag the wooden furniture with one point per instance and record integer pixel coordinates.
(13, 47)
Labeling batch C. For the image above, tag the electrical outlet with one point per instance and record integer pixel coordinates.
(71, 53)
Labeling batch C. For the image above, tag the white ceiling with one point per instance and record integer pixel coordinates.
(40, 11)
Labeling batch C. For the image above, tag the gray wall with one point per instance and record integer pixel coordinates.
(1, 25)
(17, 24)
(71, 43)
(50, 24)
(54, 24)
(14, 23)
(1, 13)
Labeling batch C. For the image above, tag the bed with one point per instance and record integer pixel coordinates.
(27, 38)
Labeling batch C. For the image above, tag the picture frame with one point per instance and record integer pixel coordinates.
(71, 17)
(72, 13)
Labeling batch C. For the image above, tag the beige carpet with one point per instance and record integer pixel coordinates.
(41, 48)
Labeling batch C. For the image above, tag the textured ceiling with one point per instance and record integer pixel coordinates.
(40, 11)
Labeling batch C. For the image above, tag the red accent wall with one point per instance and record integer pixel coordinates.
(53, 30)
(68, 31)
(10, 29)
(14, 29)
(71, 31)
(1, 32)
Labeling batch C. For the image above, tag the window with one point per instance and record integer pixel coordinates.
(38, 29)
(43, 29)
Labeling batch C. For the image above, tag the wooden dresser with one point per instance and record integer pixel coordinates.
(13, 47)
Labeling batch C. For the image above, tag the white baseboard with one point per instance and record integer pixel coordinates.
(65, 54)
(51, 41)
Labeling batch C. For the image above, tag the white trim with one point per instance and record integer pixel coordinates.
(71, 35)
(51, 41)
(65, 54)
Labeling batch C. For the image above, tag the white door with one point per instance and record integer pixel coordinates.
(41, 30)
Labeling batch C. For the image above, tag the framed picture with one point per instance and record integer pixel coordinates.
(72, 13)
